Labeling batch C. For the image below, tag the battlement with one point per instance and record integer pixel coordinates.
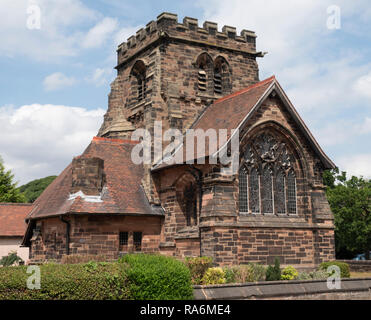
(167, 26)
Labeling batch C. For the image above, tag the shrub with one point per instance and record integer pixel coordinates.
(258, 272)
(156, 277)
(304, 276)
(273, 273)
(344, 267)
(214, 276)
(289, 273)
(245, 273)
(319, 275)
(66, 282)
(11, 259)
(230, 274)
(198, 267)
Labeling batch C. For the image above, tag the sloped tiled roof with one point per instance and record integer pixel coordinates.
(225, 113)
(231, 112)
(123, 193)
(12, 219)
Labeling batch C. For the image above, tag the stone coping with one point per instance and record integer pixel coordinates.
(272, 289)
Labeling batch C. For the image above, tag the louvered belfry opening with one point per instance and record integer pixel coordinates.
(138, 83)
(202, 79)
(205, 73)
(218, 81)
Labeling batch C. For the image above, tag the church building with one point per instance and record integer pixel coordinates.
(191, 77)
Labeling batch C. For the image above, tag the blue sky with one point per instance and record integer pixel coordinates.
(54, 81)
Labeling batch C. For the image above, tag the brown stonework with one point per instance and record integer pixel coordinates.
(188, 77)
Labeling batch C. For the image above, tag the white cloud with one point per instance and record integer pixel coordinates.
(363, 85)
(356, 165)
(41, 140)
(57, 81)
(100, 76)
(100, 33)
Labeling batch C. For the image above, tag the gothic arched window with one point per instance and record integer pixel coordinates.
(190, 199)
(243, 186)
(254, 191)
(270, 178)
(280, 195)
(222, 83)
(267, 190)
(291, 192)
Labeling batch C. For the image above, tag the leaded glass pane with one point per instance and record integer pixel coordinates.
(254, 191)
(267, 191)
(243, 195)
(279, 198)
(291, 193)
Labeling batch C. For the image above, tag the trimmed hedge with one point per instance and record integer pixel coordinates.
(92, 281)
(156, 277)
(136, 276)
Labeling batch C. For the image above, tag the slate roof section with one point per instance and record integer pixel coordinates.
(122, 193)
(12, 219)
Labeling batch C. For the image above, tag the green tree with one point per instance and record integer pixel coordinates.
(35, 188)
(8, 188)
(350, 201)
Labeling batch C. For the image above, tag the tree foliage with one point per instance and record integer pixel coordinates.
(350, 201)
(8, 188)
(35, 188)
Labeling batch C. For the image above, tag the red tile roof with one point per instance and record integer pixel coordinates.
(12, 219)
(123, 194)
(226, 113)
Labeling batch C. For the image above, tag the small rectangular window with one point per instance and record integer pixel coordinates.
(124, 237)
(137, 241)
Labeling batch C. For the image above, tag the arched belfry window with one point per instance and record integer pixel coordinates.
(138, 82)
(222, 82)
(271, 180)
(204, 64)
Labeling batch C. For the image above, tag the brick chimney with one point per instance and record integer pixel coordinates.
(88, 175)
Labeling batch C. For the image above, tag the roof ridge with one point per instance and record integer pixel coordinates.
(255, 85)
(110, 140)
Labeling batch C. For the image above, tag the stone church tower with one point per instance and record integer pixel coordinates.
(171, 71)
(191, 77)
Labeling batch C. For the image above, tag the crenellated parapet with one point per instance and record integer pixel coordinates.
(167, 26)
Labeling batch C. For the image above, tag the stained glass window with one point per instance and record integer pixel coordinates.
(267, 191)
(254, 191)
(243, 194)
(279, 196)
(291, 192)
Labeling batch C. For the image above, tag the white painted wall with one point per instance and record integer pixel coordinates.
(8, 244)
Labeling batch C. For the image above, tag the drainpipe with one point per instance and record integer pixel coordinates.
(68, 226)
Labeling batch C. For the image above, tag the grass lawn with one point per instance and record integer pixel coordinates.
(360, 274)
